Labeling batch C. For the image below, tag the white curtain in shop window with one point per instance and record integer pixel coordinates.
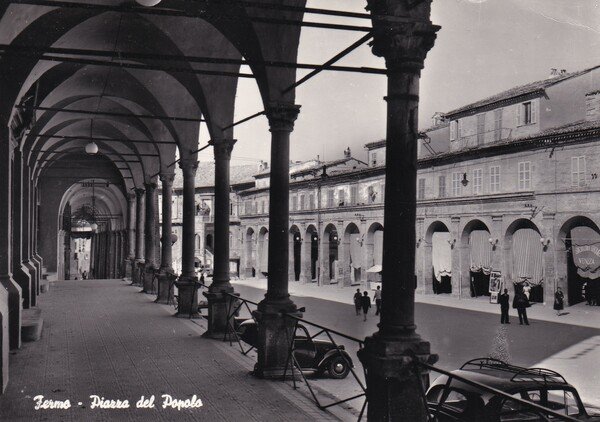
(441, 255)
(356, 250)
(527, 256)
(481, 251)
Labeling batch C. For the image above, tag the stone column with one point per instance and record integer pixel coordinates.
(130, 259)
(218, 300)
(10, 294)
(187, 284)
(140, 211)
(21, 274)
(36, 259)
(26, 250)
(151, 239)
(393, 391)
(165, 289)
(272, 342)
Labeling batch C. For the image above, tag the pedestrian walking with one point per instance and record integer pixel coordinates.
(365, 304)
(559, 301)
(520, 303)
(377, 297)
(504, 301)
(357, 301)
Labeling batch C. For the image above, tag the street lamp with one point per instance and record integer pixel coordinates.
(464, 180)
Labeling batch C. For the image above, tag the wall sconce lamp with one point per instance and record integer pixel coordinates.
(493, 242)
(452, 242)
(464, 180)
(419, 240)
(545, 242)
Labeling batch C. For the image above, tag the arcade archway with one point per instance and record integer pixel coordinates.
(352, 260)
(475, 240)
(438, 258)
(524, 259)
(330, 245)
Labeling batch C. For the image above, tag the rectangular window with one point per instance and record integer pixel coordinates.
(497, 124)
(262, 207)
(477, 181)
(421, 189)
(382, 190)
(373, 159)
(526, 113)
(453, 130)
(294, 203)
(456, 178)
(311, 201)
(302, 205)
(524, 175)
(494, 179)
(577, 171)
(441, 186)
(341, 197)
(330, 195)
(353, 194)
(480, 128)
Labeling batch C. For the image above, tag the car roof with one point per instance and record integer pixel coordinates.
(500, 380)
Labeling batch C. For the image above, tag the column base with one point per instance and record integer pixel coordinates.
(128, 268)
(14, 310)
(35, 280)
(393, 389)
(187, 298)
(38, 263)
(165, 286)
(23, 279)
(274, 336)
(138, 271)
(220, 305)
(149, 283)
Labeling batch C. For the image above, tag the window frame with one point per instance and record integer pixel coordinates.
(456, 186)
(477, 176)
(578, 177)
(442, 186)
(421, 188)
(524, 184)
(495, 185)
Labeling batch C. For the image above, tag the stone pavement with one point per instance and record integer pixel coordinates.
(102, 337)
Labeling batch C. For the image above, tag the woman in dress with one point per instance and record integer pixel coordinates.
(559, 299)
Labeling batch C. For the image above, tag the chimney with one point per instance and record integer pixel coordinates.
(592, 106)
(563, 71)
(553, 73)
(347, 153)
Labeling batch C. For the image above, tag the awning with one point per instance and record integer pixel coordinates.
(441, 255)
(375, 269)
(527, 256)
(480, 251)
(585, 244)
(356, 250)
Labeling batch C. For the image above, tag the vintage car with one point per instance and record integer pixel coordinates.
(457, 400)
(313, 355)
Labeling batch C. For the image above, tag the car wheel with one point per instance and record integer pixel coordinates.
(338, 368)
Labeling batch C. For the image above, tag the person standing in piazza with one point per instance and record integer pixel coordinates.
(520, 303)
(357, 301)
(504, 301)
(377, 297)
(366, 304)
(559, 301)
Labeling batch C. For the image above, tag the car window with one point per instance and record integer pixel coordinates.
(563, 401)
(512, 410)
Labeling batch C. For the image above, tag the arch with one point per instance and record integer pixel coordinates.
(310, 251)
(523, 255)
(576, 261)
(263, 252)
(438, 249)
(476, 257)
(330, 246)
(250, 253)
(352, 262)
(374, 252)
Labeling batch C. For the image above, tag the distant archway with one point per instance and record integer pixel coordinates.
(475, 240)
(352, 261)
(374, 252)
(330, 243)
(523, 253)
(263, 252)
(295, 252)
(311, 254)
(438, 258)
(250, 253)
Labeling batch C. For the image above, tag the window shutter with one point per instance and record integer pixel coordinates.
(518, 115)
(453, 130)
(459, 134)
(533, 111)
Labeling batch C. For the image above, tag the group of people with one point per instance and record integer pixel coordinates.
(521, 303)
(362, 302)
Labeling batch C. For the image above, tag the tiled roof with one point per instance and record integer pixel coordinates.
(375, 144)
(205, 175)
(519, 91)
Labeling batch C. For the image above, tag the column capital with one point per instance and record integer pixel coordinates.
(282, 116)
(131, 196)
(222, 147)
(167, 178)
(139, 192)
(403, 42)
(188, 165)
(150, 186)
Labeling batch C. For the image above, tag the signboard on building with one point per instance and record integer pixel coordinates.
(587, 258)
(495, 285)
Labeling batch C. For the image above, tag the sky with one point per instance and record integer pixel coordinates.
(484, 47)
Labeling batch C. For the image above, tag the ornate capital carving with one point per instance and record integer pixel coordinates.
(150, 186)
(167, 178)
(139, 192)
(404, 39)
(189, 166)
(282, 116)
(222, 147)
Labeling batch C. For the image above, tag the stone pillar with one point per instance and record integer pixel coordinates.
(10, 294)
(549, 254)
(393, 390)
(140, 211)
(165, 290)
(21, 274)
(187, 284)
(459, 257)
(273, 328)
(151, 239)
(36, 259)
(218, 300)
(130, 259)
(26, 250)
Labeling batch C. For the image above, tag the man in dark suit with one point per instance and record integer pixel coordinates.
(504, 302)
